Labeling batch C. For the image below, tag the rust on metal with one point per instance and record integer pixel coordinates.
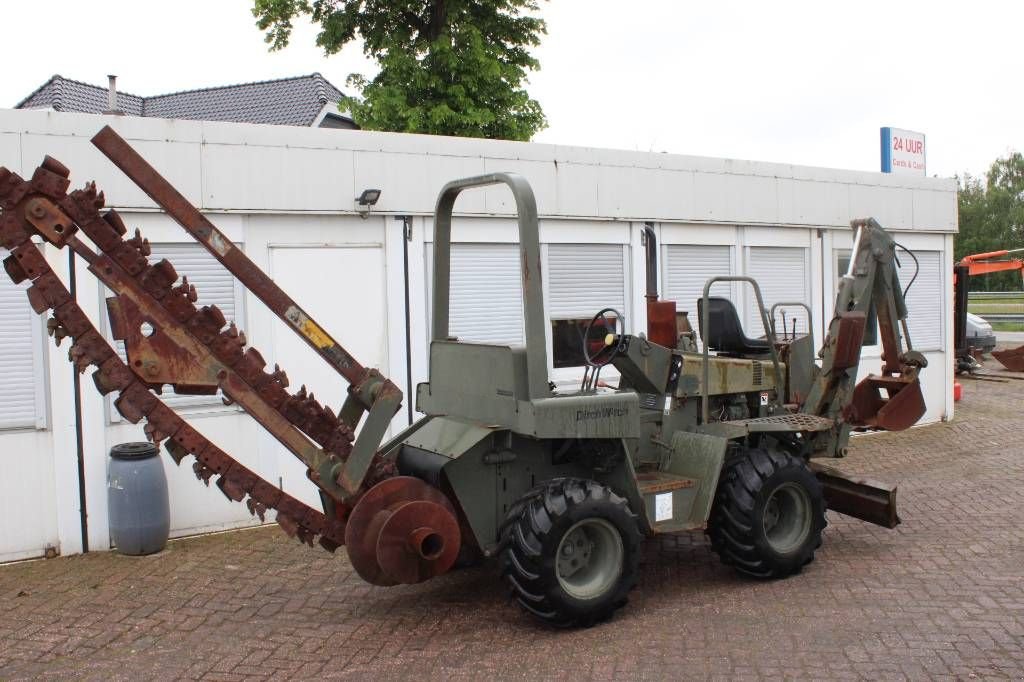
(402, 530)
(1012, 358)
(900, 409)
(661, 322)
(255, 280)
(170, 341)
(849, 339)
(861, 498)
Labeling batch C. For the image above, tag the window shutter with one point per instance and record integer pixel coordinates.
(687, 268)
(924, 299)
(215, 286)
(584, 278)
(781, 273)
(486, 301)
(18, 367)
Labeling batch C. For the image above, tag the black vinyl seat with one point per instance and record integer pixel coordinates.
(725, 333)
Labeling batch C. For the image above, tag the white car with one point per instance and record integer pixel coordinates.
(979, 334)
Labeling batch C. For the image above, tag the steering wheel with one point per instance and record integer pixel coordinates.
(603, 355)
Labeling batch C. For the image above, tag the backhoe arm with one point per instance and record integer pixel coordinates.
(871, 280)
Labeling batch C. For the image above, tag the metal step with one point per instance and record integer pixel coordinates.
(797, 421)
(652, 482)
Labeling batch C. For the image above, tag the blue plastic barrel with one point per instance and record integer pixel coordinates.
(140, 513)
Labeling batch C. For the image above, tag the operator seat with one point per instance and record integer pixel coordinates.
(725, 334)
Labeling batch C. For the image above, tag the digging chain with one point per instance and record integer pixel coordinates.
(157, 287)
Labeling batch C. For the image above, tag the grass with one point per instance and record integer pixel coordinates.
(1007, 326)
(980, 305)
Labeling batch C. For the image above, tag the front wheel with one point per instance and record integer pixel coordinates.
(769, 514)
(570, 552)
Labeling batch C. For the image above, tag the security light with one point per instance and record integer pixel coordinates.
(365, 200)
(369, 197)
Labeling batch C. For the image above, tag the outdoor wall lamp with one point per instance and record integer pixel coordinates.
(366, 200)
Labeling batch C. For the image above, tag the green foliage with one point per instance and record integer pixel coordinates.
(447, 67)
(992, 218)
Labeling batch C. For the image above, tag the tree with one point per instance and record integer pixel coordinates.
(992, 218)
(447, 67)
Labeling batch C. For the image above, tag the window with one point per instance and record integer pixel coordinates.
(582, 279)
(22, 403)
(215, 286)
(871, 325)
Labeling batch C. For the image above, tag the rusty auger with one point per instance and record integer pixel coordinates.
(168, 340)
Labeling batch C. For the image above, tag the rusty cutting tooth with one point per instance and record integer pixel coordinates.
(231, 489)
(113, 219)
(79, 357)
(176, 451)
(288, 524)
(153, 434)
(202, 472)
(279, 376)
(256, 508)
(56, 330)
(54, 166)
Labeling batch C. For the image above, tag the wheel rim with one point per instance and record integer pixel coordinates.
(787, 518)
(589, 559)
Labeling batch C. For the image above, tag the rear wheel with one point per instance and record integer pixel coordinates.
(769, 514)
(570, 552)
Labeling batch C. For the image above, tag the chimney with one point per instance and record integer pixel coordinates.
(112, 97)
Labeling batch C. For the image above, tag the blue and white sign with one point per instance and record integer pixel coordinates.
(903, 151)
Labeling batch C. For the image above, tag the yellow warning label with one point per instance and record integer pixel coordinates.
(315, 334)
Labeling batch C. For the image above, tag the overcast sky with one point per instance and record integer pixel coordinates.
(794, 82)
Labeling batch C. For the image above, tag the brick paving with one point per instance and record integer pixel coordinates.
(942, 596)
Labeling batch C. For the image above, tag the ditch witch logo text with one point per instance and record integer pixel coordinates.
(601, 413)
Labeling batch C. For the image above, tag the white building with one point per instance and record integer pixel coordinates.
(286, 195)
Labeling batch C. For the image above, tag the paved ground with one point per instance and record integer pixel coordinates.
(942, 596)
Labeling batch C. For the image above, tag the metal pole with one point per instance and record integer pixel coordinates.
(76, 379)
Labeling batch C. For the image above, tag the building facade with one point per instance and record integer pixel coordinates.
(287, 197)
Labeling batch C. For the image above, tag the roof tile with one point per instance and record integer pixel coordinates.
(292, 101)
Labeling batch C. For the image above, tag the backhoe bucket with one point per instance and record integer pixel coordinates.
(900, 409)
(1012, 359)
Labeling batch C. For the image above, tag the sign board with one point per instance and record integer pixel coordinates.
(902, 151)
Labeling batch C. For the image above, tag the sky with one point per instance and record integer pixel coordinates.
(795, 82)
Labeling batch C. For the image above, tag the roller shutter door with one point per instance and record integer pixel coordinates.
(214, 285)
(486, 301)
(19, 364)
(924, 299)
(687, 268)
(781, 273)
(584, 278)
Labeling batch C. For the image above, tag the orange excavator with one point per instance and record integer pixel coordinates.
(984, 264)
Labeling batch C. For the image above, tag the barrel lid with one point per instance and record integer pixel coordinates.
(142, 450)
